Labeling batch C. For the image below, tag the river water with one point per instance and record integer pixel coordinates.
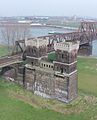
(41, 31)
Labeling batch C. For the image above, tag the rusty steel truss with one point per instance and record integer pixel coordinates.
(86, 33)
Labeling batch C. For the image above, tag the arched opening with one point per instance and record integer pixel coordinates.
(9, 71)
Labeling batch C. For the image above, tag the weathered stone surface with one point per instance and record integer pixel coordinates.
(57, 80)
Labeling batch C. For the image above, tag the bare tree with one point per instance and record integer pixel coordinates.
(14, 31)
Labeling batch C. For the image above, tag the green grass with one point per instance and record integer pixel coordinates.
(87, 75)
(17, 103)
(3, 50)
(14, 109)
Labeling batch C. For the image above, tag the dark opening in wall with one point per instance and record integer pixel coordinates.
(62, 56)
(32, 63)
(61, 70)
(51, 66)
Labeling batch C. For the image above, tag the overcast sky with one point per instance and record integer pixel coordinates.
(48, 7)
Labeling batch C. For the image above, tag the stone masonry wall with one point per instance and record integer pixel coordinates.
(72, 86)
(47, 85)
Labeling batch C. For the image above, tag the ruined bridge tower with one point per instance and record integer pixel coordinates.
(52, 79)
(65, 66)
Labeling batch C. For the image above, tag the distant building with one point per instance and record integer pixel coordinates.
(25, 21)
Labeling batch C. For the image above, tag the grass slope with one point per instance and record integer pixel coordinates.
(12, 108)
(17, 103)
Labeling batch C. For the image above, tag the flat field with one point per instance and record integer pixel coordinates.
(87, 75)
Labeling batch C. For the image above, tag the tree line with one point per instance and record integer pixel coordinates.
(11, 32)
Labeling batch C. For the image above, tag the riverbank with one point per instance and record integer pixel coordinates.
(54, 26)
